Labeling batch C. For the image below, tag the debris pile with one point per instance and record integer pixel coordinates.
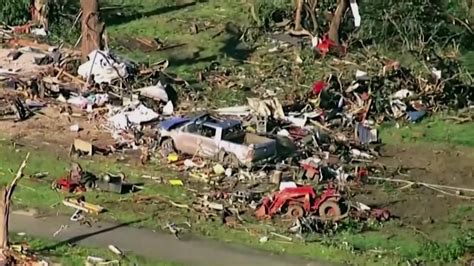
(274, 158)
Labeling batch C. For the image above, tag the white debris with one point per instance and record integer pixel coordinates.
(355, 13)
(361, 75)
(242, 110)
(436, 73)
(288, 184)
(314, 41)
(103, 67)
(39, 32)
(78, 101)
(358, 154)
(267, 108)
(115, 250)
(135, 115)
(75, 128)
(168, 109)
(99, 99)
(156, 92)
(299, 122)
(283, 133)
(361, 206)
(402, 94)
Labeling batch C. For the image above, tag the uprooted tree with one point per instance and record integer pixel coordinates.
(91, 26)
(5, 203)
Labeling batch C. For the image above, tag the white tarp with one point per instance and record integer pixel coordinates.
(104, 68)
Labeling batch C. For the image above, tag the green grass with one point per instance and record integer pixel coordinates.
(76, 255)
(171, 23)
(349, 246)
(431, 130)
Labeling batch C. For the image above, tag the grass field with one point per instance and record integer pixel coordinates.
(434, 129)
(170, 22)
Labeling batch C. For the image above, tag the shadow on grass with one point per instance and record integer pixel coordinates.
(233, 47)
(79, 238)
(117, 18)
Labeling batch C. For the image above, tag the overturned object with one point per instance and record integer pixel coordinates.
(17, 110)
(102, 67)
(111, 183)
(300, 201)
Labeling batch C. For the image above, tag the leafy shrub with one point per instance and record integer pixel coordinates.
(14, 12)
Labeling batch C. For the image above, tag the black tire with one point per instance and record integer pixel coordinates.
(167, 147)
(330, 210)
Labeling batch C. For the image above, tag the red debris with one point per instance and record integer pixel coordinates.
(325, 45)
(318, 87)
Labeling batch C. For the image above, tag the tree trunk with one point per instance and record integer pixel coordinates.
(342, 6)
(299, 9)
(39, 13)
(91, 27)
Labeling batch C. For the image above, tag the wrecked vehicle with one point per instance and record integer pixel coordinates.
(224, 140)
(299, 201)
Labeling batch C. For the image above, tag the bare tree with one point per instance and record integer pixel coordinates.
(5, 202)
(91, 27)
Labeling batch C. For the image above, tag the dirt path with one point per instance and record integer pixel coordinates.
(146, 243)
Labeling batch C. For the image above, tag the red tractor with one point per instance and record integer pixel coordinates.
(300, 201)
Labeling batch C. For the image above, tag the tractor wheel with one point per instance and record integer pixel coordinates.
(295, 211)
(167, 147)
(330, 210)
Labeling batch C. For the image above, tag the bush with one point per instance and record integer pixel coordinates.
(14, 12)
(413, 24)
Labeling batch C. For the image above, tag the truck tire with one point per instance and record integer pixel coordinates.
(167, 147)
(230, 160)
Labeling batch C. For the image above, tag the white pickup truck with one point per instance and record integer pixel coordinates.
(224, 140)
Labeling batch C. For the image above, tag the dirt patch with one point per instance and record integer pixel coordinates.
(51, 129)
(429, 163)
